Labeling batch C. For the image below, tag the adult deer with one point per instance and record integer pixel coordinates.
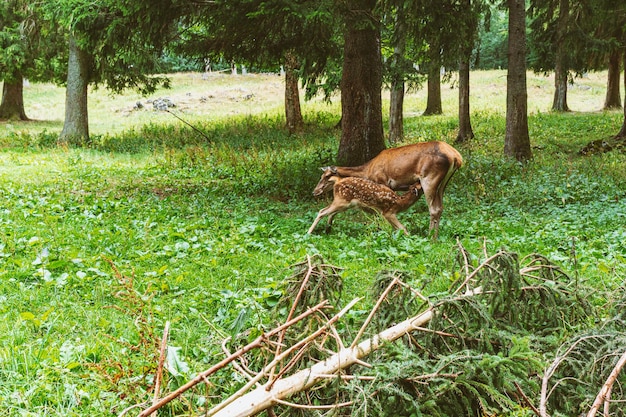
(430, 163)
(359, 192)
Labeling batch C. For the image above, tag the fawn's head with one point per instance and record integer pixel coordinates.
(326, 182)
(416, 189)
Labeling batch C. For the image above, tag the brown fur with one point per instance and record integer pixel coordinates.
(359, 192)
(430, 163)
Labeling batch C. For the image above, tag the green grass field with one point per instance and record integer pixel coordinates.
(154, 221)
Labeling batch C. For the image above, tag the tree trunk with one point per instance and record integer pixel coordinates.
(622, 132)
(12, 106)
(465, 125)
(559, 103)
(293, 112)
(396, 102)
(517, 140)
(362, 135)
(560, 67)
(76, 125)
(433, 101)
(396, 107)
(613, 100)
(466, 132)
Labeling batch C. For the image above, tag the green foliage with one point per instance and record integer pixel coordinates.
(481, 348)
(585, 360)
(118, 57)
(171, 62)
(493, 37)
(209, 229)
(31, 45)
(464, 383)
(260, 33)
(430, 374)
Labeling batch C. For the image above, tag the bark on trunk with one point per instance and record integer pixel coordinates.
(517, 140)
(560, 67)
(613, 100)
(433, 101)
(76, 125)
(465, 125)
(12, 106)
(362, 135)
(560, 89)
(396, 102)
(396, 107)
(293, 112)
(622, 132)
(466, 132)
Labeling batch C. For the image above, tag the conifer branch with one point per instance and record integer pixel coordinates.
(606, 388)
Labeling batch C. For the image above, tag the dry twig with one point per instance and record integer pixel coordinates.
(159, 372)
(371, 315)
(303, 285)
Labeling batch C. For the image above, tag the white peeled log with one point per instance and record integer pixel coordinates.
(262, 398)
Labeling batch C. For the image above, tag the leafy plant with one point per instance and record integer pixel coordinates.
(211, 227)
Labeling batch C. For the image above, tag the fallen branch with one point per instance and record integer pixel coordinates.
(606, 388)
(277, 360)
(543, 401)
(260, 399)
(159, 372)
(203, 375)
(526, 399)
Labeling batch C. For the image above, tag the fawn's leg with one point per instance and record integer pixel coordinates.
(391, 218)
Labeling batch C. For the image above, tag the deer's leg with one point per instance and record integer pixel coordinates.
(315, 222)
(435, 204)
(435, 214)
(330, 222)
(391, 218)
(327, 211)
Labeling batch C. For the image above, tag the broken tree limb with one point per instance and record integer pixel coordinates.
(606, 388)
(374, 310)
(281, 335)
(159, 372)
(545, 393)
(280, 358)
(260, 398)
(203, 375)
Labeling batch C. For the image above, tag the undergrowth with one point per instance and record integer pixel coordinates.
(209, 224)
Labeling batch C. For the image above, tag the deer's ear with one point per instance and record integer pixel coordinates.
(333, 169)
(324, 168)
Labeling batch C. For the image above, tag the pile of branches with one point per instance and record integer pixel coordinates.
(485, 347)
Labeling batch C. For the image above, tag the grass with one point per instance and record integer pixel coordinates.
(208, 228)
